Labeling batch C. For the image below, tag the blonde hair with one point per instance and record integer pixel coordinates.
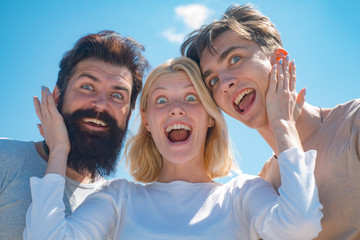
(143, 158)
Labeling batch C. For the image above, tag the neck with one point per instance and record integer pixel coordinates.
(79, 177)
(189, 172)
(308, 121)
(71, 173)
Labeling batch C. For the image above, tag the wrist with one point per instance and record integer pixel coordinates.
(286, 135)
(61, 147)
(282, 126)
(57, 161)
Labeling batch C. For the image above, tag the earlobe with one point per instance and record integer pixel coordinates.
(211, 122)
(145, 120)
(280, 53)
(56, 95)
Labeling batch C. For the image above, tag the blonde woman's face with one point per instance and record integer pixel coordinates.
(176, 119)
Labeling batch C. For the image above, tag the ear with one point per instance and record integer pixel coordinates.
(56, 95)
(211, 122)
(280, 53)
(144, 119)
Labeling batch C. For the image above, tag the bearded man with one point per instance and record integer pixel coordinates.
(96, 90)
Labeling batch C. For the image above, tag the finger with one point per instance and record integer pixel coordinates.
(41, 130)
(286, 72)
(51, 105)
(280, 75)
(273, 79)
(37, 107)
(43, 99)
(292, 85)
(300, 99)
(44, 102)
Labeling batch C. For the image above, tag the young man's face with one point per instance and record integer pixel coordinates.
(238, 77)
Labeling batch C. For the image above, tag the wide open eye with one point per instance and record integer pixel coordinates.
(87, 87)
(117, 95)
(161, 100)
(213, 81)
(234, 60)
(191, 98)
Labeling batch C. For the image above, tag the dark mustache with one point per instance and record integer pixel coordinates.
(93, 113)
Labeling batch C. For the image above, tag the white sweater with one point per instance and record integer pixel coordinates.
(247, 207)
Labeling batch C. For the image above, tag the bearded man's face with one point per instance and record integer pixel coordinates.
(96, 111)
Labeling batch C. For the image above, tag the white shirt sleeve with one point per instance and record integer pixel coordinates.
(296, 212)
(45, 219)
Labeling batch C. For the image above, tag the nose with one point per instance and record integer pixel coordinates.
(226, 83)
(100, 102)
(176, 109)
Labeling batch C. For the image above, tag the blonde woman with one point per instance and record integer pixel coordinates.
(181, 146)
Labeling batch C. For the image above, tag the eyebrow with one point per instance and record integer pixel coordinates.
(221, 58)
(163, 88)
(95, 79)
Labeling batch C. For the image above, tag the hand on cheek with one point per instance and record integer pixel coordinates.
(52, 126)
(281, 96)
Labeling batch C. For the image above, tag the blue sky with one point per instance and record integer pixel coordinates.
(322, 36)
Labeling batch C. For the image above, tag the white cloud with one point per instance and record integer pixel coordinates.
(193, 15)
(173, 37)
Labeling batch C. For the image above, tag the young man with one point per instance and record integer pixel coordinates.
(236, 54)
(96, 90)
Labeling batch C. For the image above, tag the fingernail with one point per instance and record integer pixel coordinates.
(293, 62)
(303, 91)
(287, 58)
(281, 61)
(275, 66)
(43, 88)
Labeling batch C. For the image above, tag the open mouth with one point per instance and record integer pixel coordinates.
(244, 100)
(178, 132)
(94, 122)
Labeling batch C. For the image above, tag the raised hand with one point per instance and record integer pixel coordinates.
(300, 100)
(283, 104)
(53, 129)
(281, 95)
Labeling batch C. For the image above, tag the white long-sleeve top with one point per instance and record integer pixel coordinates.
(247, 207)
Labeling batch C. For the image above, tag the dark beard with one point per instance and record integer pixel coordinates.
(92, 151)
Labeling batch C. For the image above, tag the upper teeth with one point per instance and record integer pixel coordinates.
(242, 94)
(177, 126)
(96, 121)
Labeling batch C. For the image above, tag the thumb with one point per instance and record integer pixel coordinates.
(41, 130)
(300, 100)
